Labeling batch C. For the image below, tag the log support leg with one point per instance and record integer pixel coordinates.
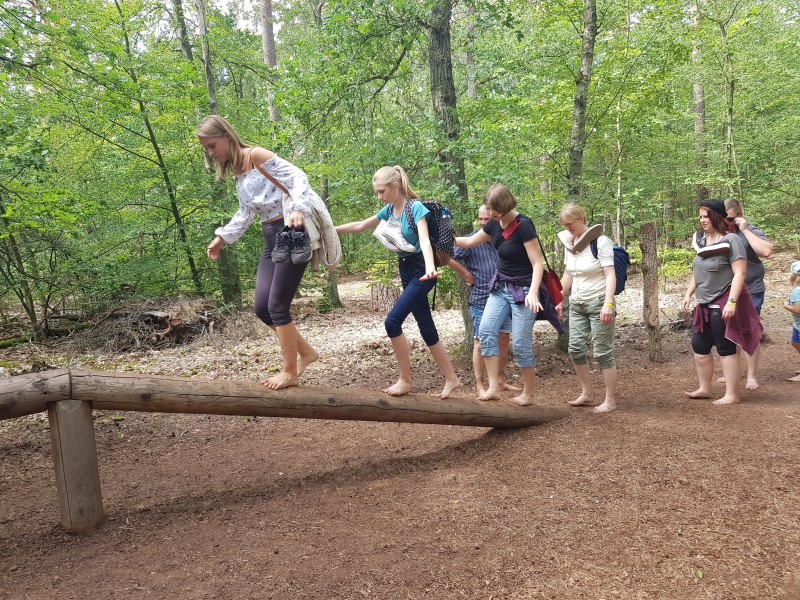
(75, 457)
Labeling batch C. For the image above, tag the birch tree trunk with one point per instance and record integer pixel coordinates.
(699, 104)
(270, 57)
(577, 140)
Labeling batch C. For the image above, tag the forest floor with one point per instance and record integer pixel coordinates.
(665, 498)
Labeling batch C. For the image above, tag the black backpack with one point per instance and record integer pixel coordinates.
(440, 230)
(622, 261)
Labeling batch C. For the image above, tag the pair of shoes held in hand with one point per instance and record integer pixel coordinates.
(292, 245)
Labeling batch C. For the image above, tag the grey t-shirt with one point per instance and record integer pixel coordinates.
(754, 280)
(713, 274)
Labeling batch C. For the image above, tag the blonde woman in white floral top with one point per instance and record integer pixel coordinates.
(276, 283)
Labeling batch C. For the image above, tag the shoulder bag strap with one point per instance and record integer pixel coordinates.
(544, 254)
(268, 176)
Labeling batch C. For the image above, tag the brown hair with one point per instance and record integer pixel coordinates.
(499, 198)
(718, 222)
(215, 126)
(734, 205)
(395, 174)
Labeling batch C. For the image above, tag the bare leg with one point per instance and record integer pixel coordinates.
(287, 338)
(503, 341)
(477, 366)
(752, 369)
(451, 380)
(585, 398)
(493, 373)
(403, 356)
(529, 379)
(307, 354)
(704, 363)
(730, 369)
(610, 402)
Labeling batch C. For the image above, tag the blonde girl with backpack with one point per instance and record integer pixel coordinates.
(418, 274)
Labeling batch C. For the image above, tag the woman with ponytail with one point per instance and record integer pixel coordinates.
(418, 274)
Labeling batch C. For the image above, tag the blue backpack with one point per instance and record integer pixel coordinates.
(622, 261)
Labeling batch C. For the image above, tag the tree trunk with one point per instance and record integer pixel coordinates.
(472, 91)
(12, 268)
(183, 36)
(443, 95)
(577, 140)
(228, 261)
(651, 312)
(270, 57)
(699, 104)
(165, 174)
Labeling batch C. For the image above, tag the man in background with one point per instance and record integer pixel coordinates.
(757, 247)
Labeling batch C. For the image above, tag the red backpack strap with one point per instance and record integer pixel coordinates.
(512, 227)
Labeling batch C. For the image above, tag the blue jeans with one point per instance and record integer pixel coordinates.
(476, 312)
(499, 307)
(758, 301)
(413, 300)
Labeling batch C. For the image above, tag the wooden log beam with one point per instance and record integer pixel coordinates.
(28, 394)
(169, 394)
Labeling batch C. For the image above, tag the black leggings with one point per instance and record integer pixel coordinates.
(713, 335)
(276, 284)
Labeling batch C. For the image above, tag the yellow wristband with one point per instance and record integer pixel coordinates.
(610, 304)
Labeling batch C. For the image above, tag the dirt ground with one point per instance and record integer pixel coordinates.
(665, 498)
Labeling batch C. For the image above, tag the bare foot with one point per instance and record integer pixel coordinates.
(521, 400)
(582, 400)
(305, 360)
(509, 388)
(490, 394)
(401, 388)
(449, 386)
(726, 400)
(698, 394)
(281, 380)
(605, 407)
(752, 384)
(795, 379)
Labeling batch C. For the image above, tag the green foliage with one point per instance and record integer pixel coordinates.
(676, 262)
(103, 194)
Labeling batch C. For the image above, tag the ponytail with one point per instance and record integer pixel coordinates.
(395, 174)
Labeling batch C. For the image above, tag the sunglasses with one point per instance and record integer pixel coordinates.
(731, 219)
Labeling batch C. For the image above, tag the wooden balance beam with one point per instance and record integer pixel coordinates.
(70, 396)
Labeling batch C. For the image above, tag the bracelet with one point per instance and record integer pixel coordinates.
(731, 301)
(610, 304)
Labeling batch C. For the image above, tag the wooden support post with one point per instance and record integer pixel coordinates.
(75, 458)
(650, 308)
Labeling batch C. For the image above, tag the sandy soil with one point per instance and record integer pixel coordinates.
(665, 498)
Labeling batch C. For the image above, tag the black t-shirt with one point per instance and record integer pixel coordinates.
(513, 256)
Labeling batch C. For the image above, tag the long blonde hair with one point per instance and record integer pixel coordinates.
(214, 126)
(389, 175)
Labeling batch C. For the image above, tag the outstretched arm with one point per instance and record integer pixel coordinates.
(358, 226)
(476, 239)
